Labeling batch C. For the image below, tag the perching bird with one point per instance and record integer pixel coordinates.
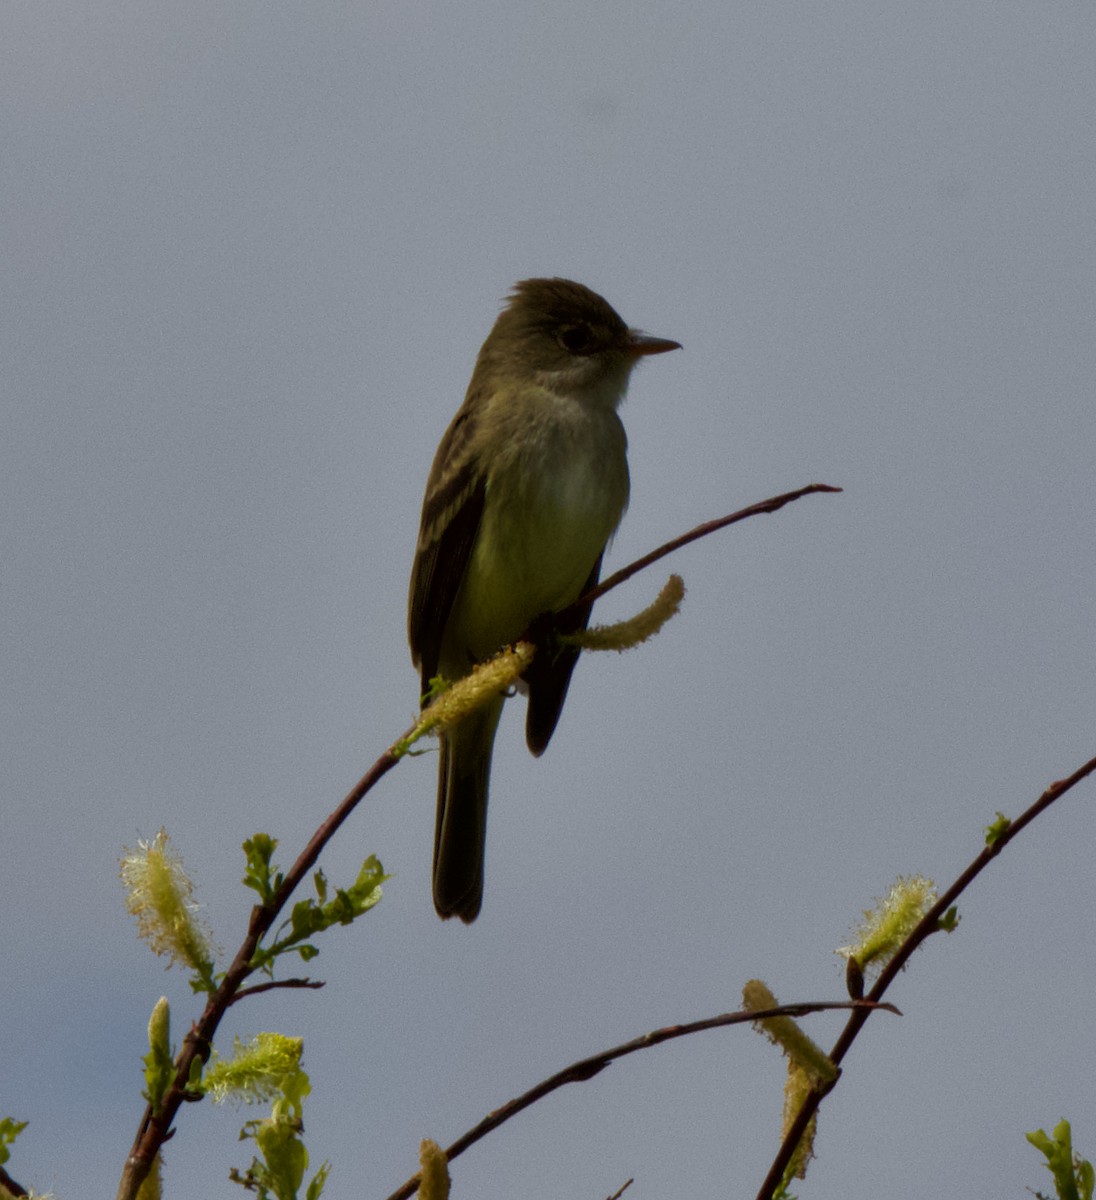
(527, 487)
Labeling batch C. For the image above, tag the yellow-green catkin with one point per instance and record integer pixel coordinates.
(465, 695)
(434, 1172)
(785, 1033)
(159, 1027)
(256, 1070)
(885, 927)
(159, 893)
(808, 1066)
(796, 1087)
(153, 1186)
(159, 1067)
(623, 635)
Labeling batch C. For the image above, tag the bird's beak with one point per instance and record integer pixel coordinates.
(640, 343)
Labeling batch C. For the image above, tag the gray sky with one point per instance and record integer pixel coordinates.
(250, 252)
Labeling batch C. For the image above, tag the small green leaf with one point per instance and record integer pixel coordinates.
(307, 918)
(1074, 1177)
(9, 1131)
(259, 875)
(999, 827)
(1086, 1177)
(949, 922)
(315, 1188)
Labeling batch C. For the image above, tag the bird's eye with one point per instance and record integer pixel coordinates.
(577, 339)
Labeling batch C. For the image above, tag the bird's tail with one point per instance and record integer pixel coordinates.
(461, 830)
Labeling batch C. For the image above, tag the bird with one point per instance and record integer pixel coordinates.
(527, 487)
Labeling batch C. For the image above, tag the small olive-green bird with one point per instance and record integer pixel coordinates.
(527, 487)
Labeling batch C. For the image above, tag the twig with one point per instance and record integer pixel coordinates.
(270, 985)
(930, 923)
(16, 1189)
(587, 1068)
(773, 504)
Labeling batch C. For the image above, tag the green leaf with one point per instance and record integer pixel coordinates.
(305, 918)
(315, 1188)
(9, 1131)
(949, 922)
(308, 918)
(259, 875)
(999, 827)
(1073, 1176)
(1086, 1177)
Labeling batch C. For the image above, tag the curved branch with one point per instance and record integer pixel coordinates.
(587, 1068)
(271, 984)
(16, 1189)
(929, 924)
(773, 504)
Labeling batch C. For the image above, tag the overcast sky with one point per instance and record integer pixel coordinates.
(250, 252)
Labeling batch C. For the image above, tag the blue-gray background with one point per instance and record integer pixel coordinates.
(250, 250)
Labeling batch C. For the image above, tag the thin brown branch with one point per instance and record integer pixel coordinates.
(621, 1190)
(929, 924)
(587, 1068)
(271, 984)
(16, 1189)
(773, 504)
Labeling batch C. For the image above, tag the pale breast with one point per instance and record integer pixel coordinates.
(551, 505)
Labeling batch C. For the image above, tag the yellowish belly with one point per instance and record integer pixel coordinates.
(543, 528)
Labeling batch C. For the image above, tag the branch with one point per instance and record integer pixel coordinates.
(622, 1189)
(587, 1068)
(276, 983)
(7, 1182)
(773, 504)
(930, 923)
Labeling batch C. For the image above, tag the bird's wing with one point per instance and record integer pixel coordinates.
(451, 515)
(550, 674)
